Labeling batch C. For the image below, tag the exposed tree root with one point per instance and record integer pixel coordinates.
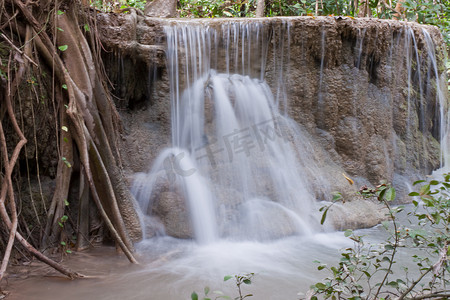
(88, 125)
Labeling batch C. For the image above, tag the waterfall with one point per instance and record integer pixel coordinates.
(240, 168)
(238, 161)
(444, 114)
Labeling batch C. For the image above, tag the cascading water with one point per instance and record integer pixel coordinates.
(239, 163)
(441, 99)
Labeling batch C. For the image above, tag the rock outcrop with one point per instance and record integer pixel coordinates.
(364, 89)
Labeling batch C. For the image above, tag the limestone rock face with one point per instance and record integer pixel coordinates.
(347, 87)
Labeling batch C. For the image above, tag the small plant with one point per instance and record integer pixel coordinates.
(239, 280)
(366, 271)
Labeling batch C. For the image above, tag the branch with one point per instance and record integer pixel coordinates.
(18, 50)
(7, 183)
(7, 187)
(414, 284)
(81, 138)
(396, 235)
(441, 294)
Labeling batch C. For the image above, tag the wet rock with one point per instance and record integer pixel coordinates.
(361, 213)
(172, 211)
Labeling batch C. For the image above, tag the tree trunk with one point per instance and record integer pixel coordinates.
(260, 8)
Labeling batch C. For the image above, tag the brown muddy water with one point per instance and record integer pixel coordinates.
(173, 269)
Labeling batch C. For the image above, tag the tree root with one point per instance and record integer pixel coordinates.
(90, 121)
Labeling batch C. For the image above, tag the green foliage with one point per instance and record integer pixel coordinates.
(336, 198)
(109, 5)
(63, 220)
(435, 12)
(430, 12)
(239, 280)
(216, 8)
(138, 4)
(367, 271)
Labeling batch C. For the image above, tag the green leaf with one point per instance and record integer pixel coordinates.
(64, 86)
(60, 12)
(413, 194)
(434, 182)
(247, 281)
(68, 164)
(388, 247)
(68, 251)
(86, 28)
(64, 218)
(382, 192)
(394, 284)
(390, 194)
(63, 47)
(337, 196)
(320, 286)
(348, 232)
(63, 243)
(321, 267)
(324, 216)
(66, 203)
(194, 296)
(59, 28)
(207, 289)
(425, 189)
(418, 181)
(228, 277)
